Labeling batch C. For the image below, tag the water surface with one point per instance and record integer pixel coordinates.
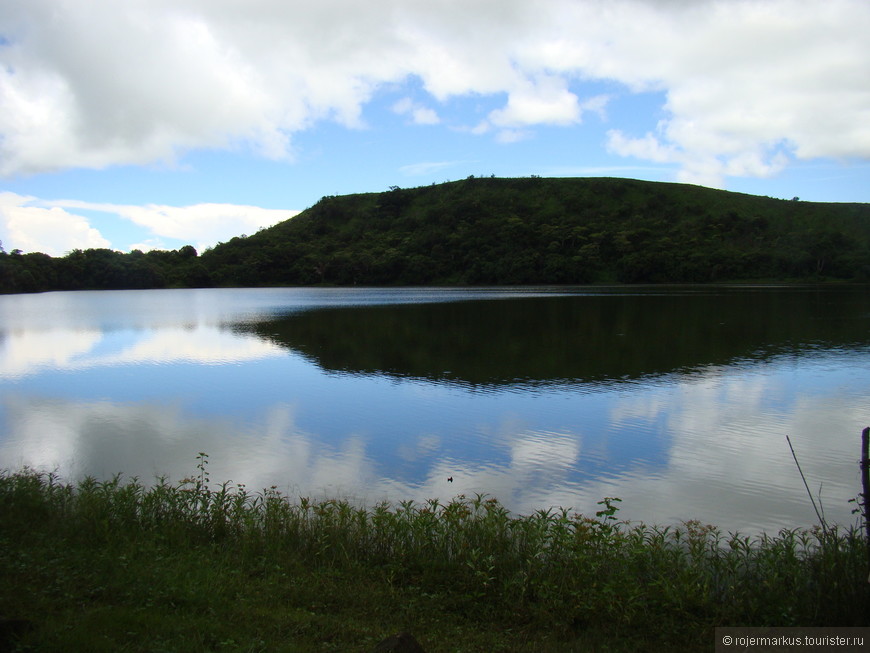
(677, 400)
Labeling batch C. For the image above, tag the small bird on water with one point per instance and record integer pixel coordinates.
(449, 479)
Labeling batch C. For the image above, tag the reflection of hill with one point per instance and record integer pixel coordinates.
(590, 338)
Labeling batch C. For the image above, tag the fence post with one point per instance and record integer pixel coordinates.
(865, 483)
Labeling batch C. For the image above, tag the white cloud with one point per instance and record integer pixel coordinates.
(649, 147)
(149, 244)
(749, 84)
(547, 101)
(50, 230)
(420, 115)
(201, 224)
(543, 101)
(35, 225)
(513, 135)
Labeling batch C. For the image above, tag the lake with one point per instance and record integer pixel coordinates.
(677, 400)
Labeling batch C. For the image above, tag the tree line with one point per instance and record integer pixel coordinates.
(101, 269)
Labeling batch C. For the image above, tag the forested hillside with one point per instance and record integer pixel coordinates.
(500, 231)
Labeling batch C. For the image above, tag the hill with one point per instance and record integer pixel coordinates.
(501, 231)
(551, 231)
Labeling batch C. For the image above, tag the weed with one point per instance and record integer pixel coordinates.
(233, 561)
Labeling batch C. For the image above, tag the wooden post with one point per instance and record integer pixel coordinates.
(865, 482)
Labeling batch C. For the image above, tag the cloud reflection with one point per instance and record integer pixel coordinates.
(742, 477)
(25, 351)
(729, 456)
(31, 351)
(147, 440)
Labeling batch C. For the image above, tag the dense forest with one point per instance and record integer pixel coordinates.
(484, 230)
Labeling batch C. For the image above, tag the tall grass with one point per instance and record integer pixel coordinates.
(551, 571)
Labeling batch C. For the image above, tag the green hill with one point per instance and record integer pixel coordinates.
(499, 231)
(551, 231)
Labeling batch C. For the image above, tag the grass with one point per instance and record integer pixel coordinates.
(192, 566)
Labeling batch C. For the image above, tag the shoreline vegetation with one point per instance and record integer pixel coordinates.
(497, 231)
(118, 565)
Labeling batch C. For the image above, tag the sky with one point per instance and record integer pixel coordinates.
(143, 124)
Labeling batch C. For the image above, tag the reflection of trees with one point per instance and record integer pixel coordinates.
(597, 338)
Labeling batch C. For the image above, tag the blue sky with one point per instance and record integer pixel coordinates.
(157, 123)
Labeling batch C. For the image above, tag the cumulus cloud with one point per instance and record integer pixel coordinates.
(35, 225)
(420, 115)
(547, 101)
(201, 224)
(513, 135)
(749, 85)
(50, 230)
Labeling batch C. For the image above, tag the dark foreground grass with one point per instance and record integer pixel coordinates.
(122, 566)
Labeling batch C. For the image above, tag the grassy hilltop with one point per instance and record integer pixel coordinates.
(499, 231)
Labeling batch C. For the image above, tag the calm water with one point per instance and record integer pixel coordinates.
(676, 400)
